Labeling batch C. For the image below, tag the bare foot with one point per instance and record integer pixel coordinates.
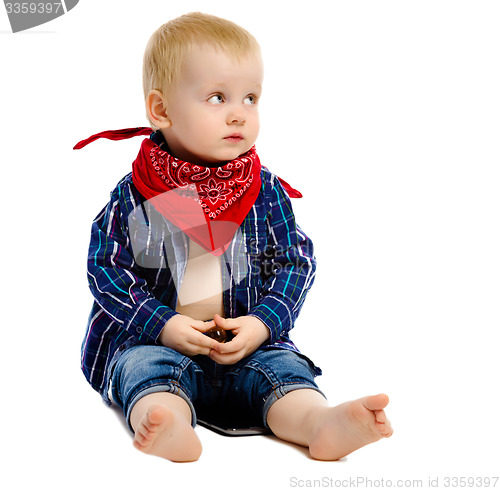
(342, 429)
(165, 433)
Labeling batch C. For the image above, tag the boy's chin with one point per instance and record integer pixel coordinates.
(221, 159)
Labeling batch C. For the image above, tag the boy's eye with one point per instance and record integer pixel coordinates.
(216, 99)
(250, 99)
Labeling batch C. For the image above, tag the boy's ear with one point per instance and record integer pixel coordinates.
(157, 109)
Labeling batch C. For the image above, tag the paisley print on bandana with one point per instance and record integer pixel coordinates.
(216, 188)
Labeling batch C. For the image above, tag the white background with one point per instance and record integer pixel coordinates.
(385, 114)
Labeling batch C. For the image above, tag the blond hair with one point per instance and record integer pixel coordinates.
(168, 46)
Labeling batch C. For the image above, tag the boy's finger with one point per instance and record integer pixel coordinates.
(199, 339)
(221, 359)
(203, 326)
(196, 349)
(231, 347)
(226, 359)
(226, 324)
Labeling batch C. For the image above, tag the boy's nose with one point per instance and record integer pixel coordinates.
(235, 118)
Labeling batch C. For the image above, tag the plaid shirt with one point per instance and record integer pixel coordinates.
(137, 259)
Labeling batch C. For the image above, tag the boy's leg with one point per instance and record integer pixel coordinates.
(279, 386)
(154, 386)
(162, 426)
(303, 417)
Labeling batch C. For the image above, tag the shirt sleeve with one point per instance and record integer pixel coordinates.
(292, 265)
(112, 277)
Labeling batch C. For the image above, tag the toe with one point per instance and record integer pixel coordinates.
(140, 437)
(375, 403)
(139, 442)
(388, 431)
(380, 416)
(145, 433)
(157, 415)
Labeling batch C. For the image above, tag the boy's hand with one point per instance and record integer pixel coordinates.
(185, 335)
(249, 333)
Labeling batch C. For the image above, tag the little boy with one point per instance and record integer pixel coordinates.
(200, 237)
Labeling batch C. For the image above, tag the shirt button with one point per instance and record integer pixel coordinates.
(139, 330)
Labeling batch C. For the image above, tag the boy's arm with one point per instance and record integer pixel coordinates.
(293, 268)
(122, 294)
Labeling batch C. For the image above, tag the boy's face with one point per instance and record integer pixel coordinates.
(212, 110)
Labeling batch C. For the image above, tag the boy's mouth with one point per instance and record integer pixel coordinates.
(235, 137)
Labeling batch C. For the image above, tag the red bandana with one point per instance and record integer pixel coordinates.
(206, 203)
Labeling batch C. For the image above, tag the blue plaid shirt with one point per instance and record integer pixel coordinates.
(137, 258)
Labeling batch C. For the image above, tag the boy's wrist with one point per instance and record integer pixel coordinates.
(262, 331)
(164, 332)
(148, 320)
(275, 314)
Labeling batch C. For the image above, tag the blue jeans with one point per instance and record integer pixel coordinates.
(242, 392)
